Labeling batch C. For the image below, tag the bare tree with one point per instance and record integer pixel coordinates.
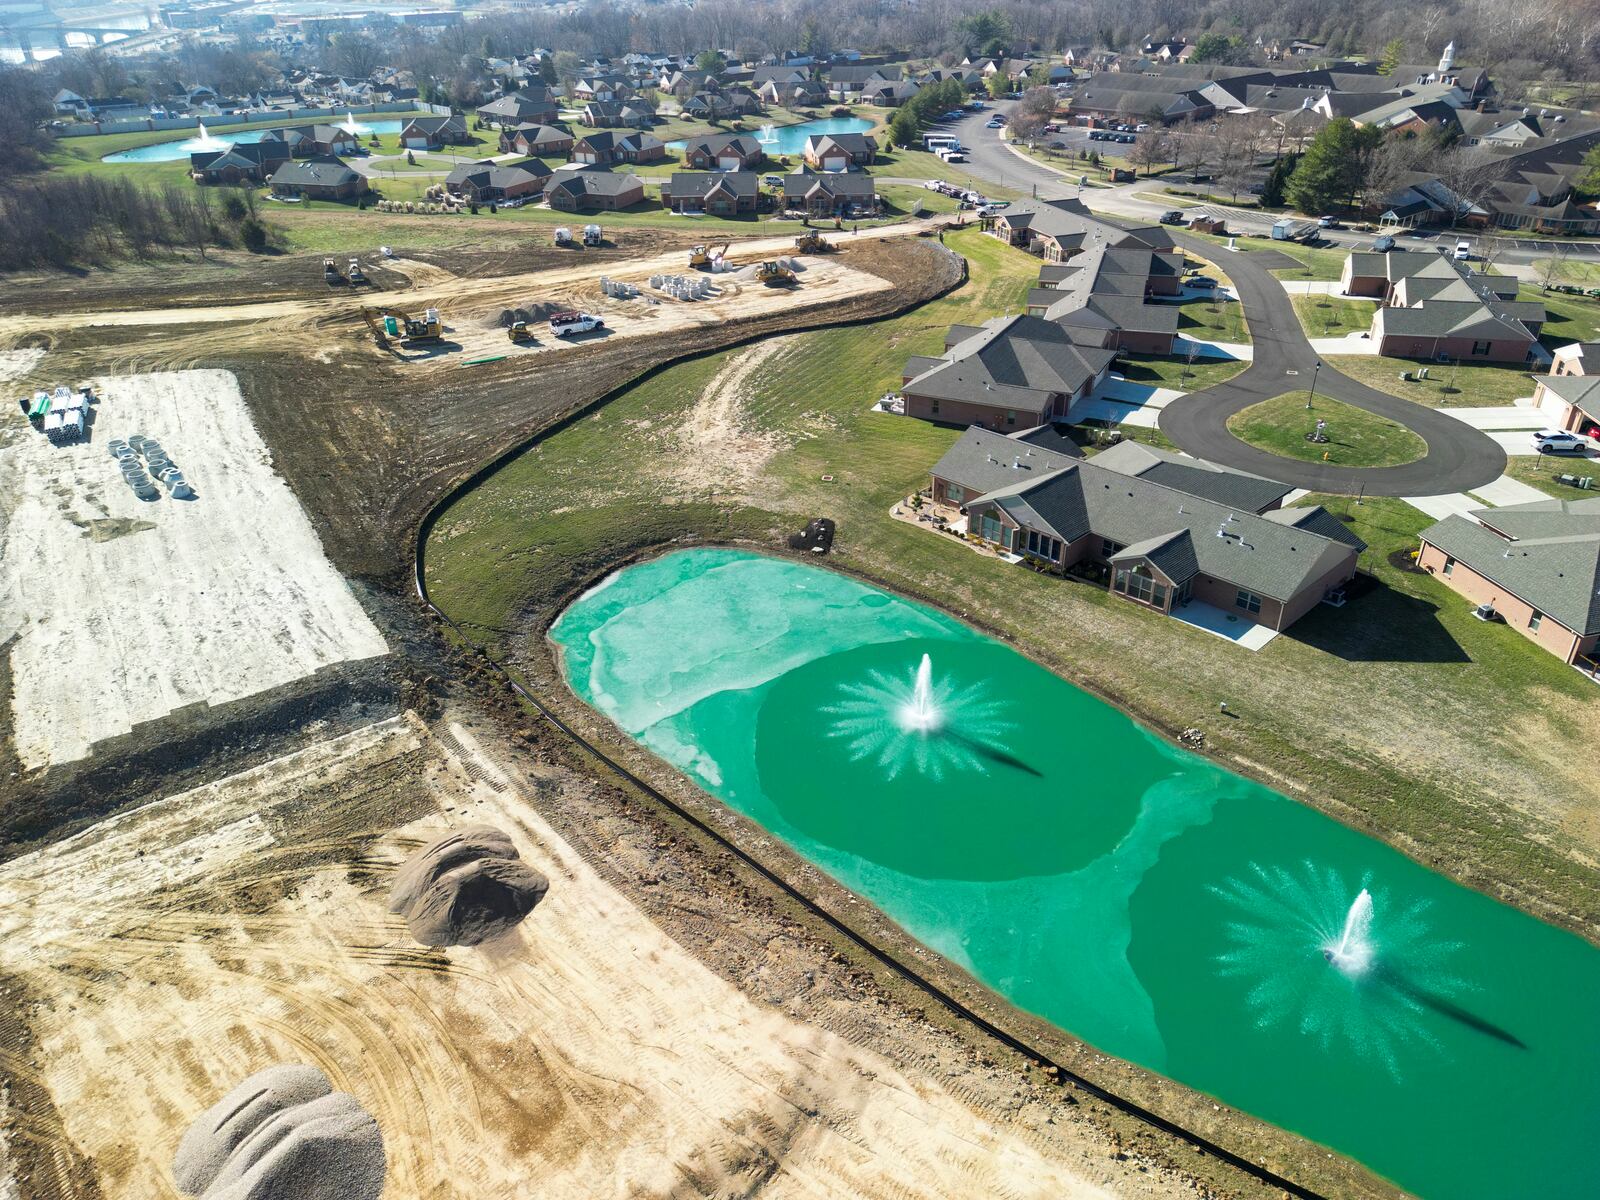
(1154, 146)
(1553, 266)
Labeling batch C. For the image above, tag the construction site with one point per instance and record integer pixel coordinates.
(231, 726)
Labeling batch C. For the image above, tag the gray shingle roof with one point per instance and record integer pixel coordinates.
(1547, 554)
(982, 461)
(1013, 362)
(1172, 554)
(1194, 476)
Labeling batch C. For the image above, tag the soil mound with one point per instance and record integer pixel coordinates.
(532, 313)
(465, 887)
(282, 1134)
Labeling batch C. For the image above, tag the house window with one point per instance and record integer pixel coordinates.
(1480, 347)
(1248, 601)
(1108, 547)
(954, 493)
(1449, 565)
(990, 528)
(934, 408)
(1535, 621)
(1138, 584)
(1042, 545)
(1011, 418)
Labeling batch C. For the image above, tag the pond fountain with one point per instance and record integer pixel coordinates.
(354, 127)
(205, 141)
(1352, 951)
(1146, 900)
(769, 134)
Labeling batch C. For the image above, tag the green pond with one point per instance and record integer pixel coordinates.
(1162, 909)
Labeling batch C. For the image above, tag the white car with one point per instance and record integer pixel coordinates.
(1559, 441)
(932, 185)
(1463, 251)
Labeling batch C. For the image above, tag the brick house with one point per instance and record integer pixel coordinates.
(327, 178)
(488, 182)
(546, 141)
(720, 193)
(1537, 566)
(831, 195)
(723, 152)
(593, 191)
(1162, 530)
(431, 133)
(1433, 307)
(840, 151)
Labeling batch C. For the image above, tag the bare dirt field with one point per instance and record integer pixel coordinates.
(167, 953)
(119, 610)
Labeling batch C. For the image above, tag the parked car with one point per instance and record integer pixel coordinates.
(1559, 441)
(994, 123)
(1128, 138)
(1203, 282)
(933, 185)
(1172, 217)
(1384, 244)
(1463, 251)
(1422, 235)
(1329, 223)
(1142, 127)
(773, 181)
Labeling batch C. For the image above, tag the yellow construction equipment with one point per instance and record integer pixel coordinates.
(701, 257)
(774, 274)
(520, 334)
(811, 242)
(402, 327)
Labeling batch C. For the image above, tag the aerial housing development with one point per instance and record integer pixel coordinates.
(796, 599)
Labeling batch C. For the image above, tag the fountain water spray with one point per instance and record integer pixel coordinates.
(204, 141)
(1351, 952)
(921, 713)
(769, 134)
(352, 126)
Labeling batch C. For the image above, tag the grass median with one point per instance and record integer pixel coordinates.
(1356, 438)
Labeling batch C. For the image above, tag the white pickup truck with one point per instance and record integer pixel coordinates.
(565, 324)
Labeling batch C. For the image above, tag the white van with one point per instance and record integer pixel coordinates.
(1463, 251)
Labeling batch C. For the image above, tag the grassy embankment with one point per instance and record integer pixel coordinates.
(1357, 438)
(1374, 711)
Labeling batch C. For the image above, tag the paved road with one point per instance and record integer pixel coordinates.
(1459, 457)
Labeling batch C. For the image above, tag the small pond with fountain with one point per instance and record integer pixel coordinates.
(1137, 895)
(777, 140)
(204, 139)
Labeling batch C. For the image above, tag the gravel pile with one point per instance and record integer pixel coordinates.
(465, 887)
(282, 1134)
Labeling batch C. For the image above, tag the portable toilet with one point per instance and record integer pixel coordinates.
(391, 326)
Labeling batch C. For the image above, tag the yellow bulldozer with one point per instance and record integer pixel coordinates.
(811, 242)
(520, 334)
(701, 257)
(775, 274)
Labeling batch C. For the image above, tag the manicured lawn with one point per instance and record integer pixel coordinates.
(1569, 270)
(1172, 371)
(1447, 385)
(1540, 471)
(1567, 318)
(1315, 263)
(1212, 319)
(1356, 438)
(1333, 316)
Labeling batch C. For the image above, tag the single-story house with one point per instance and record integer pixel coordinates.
(723, 152)
(528, 107)
(546, 141)
(831, 195)
(311, 141)
(1165, 530)
(639, 148)
(325, 178)
(632, 114)
(1576, 358)
(808, 93)
(721, 193)
(252, 162)
(1537, 566)
(840, 151)
(430, 133)
(593, 191)
(602, 87)
(889, 93)
(488, 182)
(595, 149)
(1008, 373)
(1434, 307)
(1571, 402)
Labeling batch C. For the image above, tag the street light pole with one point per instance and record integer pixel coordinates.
(1312, 395)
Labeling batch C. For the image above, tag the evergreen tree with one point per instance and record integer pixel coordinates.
(1277, 179)
(1389, 59)
(1331, 171)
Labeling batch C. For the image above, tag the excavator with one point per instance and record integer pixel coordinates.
(811, 242)
(775, 274)
(403, 327)
(701, 257)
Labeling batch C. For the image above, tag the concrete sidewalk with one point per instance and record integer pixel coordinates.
(1506, 490)
(1238, 351)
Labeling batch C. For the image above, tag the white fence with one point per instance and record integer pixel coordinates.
(226, 120)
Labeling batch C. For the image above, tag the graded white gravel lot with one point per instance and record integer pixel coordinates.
(123, 610)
